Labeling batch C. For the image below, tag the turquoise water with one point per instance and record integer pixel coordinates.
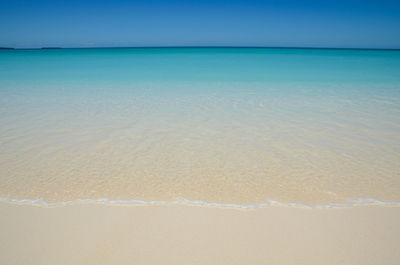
(231, 125)
(123, 66)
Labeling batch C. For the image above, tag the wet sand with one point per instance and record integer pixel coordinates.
(91, 233)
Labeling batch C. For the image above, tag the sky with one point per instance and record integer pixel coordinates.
(122, 23)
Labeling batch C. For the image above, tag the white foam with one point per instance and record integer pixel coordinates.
(270, 202)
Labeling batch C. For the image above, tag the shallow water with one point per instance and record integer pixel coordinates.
(223, 125)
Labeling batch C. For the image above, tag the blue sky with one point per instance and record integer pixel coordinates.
(287, 23)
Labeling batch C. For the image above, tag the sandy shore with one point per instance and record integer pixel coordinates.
(180, 234)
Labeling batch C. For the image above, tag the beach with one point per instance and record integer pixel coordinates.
(199, 156)
(185, 132)
(90, 233)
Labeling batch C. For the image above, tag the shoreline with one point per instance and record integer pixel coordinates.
(358, 202)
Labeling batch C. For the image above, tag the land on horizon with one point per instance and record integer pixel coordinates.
(195, 46)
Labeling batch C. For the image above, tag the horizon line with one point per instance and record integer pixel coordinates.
(198, 46)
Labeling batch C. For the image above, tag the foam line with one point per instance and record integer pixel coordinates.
(350, 203)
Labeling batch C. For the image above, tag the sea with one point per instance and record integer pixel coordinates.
(242, 127)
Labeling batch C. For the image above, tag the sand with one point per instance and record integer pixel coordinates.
(90, 233)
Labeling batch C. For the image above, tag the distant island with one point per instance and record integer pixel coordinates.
(50, 48)
(6, 48)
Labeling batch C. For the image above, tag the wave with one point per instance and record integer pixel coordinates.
(350, 203)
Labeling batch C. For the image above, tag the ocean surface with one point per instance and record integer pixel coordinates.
(218, 125)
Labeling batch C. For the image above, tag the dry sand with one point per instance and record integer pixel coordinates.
(181, 234)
